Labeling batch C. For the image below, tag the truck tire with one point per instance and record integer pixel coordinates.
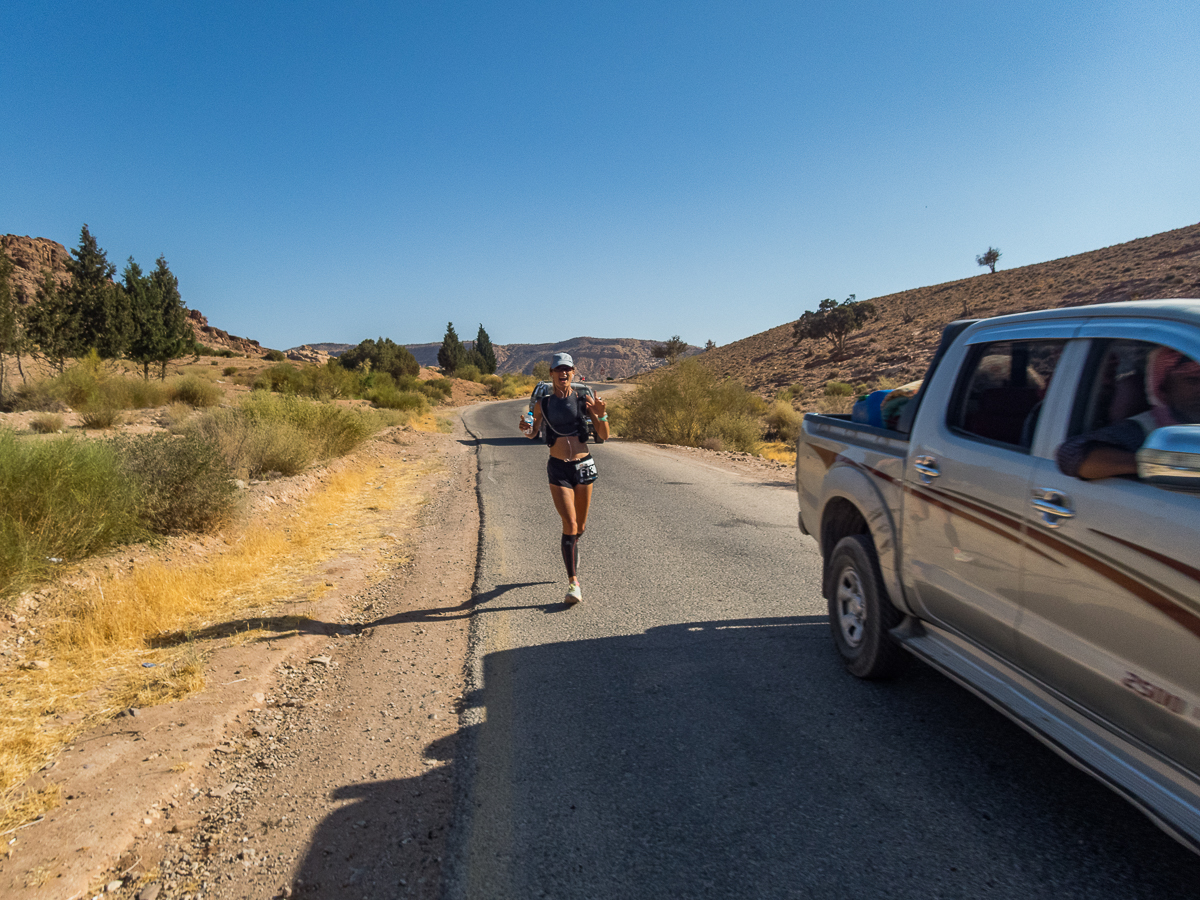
(860, 612)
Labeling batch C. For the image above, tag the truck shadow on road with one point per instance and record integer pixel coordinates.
(737, 758)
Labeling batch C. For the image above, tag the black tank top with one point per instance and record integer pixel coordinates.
(564, 416)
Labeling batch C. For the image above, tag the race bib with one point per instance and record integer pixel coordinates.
(585, 469)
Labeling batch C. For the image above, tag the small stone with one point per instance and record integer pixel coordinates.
(322, 661)
(150, 892)
(113, 886)
(259, 697)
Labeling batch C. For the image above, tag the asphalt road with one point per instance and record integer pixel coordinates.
(688, 731)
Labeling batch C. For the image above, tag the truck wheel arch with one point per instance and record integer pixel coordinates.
(841, 516)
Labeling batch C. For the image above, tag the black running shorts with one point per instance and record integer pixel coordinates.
(571, 473)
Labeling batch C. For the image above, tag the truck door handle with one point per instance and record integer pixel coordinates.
(1054, 505)
(927, 466)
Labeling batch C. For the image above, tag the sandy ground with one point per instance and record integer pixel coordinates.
(318, 764)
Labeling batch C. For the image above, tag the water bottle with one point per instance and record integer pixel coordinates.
(528, 420)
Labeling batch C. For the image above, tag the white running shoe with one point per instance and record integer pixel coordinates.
(574, 595)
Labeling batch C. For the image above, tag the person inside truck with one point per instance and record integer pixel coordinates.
(1172, 390)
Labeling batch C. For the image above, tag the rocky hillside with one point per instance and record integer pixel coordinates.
(32, 257)
(899, 343)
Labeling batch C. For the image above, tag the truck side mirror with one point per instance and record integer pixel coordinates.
(1170, 457)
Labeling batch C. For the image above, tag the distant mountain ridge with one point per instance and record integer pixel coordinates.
(596, 359)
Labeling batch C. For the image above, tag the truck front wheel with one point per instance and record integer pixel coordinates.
(860, 612)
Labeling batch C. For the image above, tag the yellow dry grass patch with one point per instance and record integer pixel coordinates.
(780, 451)
(171, 613)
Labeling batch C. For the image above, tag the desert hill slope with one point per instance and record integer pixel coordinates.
(900, 342)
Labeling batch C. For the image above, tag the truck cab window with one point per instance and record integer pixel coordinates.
(1000, 390)
(1129, 389)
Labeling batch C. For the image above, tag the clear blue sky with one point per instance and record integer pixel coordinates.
(336, 171)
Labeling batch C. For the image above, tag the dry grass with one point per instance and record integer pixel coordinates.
(780, 451)
(28, 807)
(104, 630)
(47, 423)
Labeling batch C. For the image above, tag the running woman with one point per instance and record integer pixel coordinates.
(571, 468)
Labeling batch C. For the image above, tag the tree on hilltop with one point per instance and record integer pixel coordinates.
(989, 259)
(833, 321)
(671, 350)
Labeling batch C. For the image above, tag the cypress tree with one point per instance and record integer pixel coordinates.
(487, 353)
(52, 324)
(177, 337)
(452, 351)
(101, 307)
(160, 331)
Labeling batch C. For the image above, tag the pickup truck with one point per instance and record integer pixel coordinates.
(1071, 605)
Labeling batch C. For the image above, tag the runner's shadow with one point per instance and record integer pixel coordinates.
(463, 610)
(292, 624)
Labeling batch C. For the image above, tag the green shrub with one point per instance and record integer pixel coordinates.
(283, 379)
(437, 389)
(789, 394)
(514, 385)
(328, 382)
(252, 449)
(175, 416)
(783, 422)
(388, 397)
(331, 430)
(469, 373)
(229, 370)
(203, 350)
(840, 389)
(275, 356)
(196, 392)
(183, 483)
(88, 386)
(98, 415)
(46, 423)
(687, 405)
(64, 499)
(137, 393)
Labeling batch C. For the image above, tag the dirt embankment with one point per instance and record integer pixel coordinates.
(243, 789)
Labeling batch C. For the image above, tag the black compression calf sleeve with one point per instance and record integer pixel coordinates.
(569, 553)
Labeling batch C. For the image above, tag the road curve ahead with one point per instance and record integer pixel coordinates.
(687, 730)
